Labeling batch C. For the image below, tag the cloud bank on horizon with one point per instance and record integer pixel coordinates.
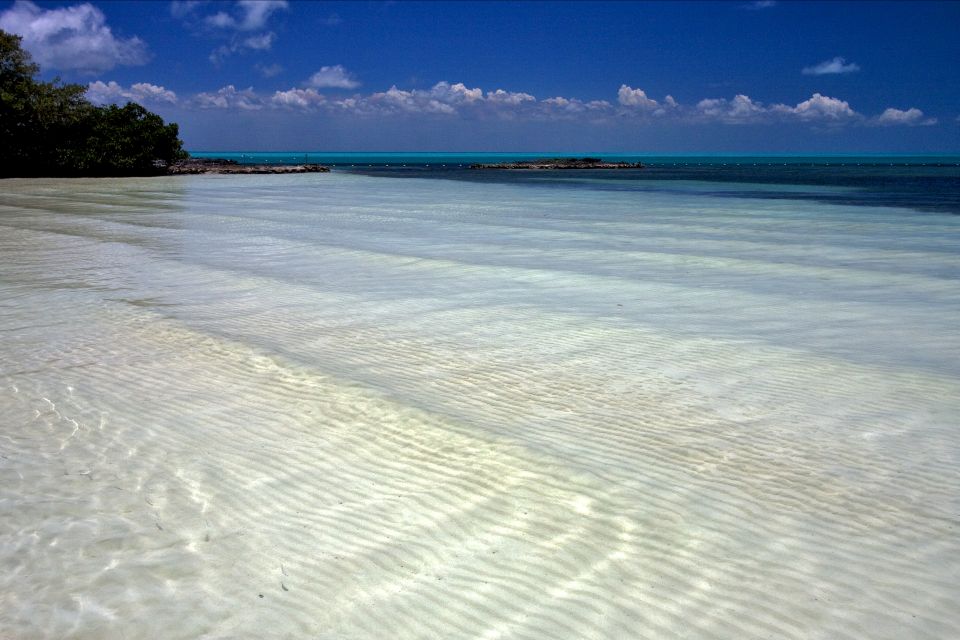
(446, 99)
(242, 38)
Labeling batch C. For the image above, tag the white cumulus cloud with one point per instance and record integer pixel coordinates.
(630, 97)
(332, 77)
(513, 98)
(297, 98)
(565, 104)
(741, 109)
(819, 107)
(738, 110)
(100, 92)
(457, 93)
(229, 97)
(828, 67)
(910, 117)
(394, 99)
(75, 37)
(442, 98)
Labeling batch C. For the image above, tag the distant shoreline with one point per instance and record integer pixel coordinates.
(453, 160)
(198, 166)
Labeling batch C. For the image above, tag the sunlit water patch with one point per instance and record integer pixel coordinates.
(333, 405)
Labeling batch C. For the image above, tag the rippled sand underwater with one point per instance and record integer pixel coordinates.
(339, 406)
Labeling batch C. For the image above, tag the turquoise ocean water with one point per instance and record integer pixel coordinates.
(929, 181)
(711, 398)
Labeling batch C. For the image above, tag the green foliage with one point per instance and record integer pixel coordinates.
(49, 128)
(126, 140)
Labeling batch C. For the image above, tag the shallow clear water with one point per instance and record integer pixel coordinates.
(330, 405)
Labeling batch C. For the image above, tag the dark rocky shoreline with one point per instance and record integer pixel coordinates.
(195, 166)
(560, 163)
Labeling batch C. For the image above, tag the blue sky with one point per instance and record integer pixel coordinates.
(527, 76)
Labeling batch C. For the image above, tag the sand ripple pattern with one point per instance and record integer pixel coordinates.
(347, 407)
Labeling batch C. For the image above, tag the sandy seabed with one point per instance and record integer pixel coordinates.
(337, 406)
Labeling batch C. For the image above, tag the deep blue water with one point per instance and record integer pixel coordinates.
(920, 182)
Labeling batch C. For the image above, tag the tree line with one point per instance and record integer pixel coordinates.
(51, 129)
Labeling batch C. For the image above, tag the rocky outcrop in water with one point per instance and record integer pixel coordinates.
(560, 163)
(195, 166)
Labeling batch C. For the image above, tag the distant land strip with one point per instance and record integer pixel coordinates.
(193, 166)
(560, 163)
